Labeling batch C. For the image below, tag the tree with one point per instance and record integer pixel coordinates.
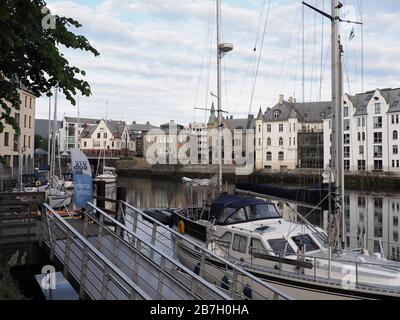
(30, 38)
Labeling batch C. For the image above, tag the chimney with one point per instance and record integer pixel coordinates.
(281, 99)
(231, 117)
(148, 122)
(290, 99)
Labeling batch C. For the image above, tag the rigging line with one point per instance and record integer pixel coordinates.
(243, 82)
(323, 69)
(360, 6)
(209, 64)
(346, 72)
(259, 56)
(313, 60)
(322, 49)
(202, 61)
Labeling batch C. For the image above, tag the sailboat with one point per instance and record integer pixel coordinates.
(56, 195)
(300, 259)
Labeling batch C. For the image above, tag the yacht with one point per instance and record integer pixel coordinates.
(109, 175)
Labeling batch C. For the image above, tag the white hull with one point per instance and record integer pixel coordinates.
(296, 287)
(106, 179)
(58, 199)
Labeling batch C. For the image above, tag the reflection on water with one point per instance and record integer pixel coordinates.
(372, 220)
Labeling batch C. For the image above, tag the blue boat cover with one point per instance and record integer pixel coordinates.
(316, 196)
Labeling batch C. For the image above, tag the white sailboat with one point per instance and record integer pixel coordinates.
(56, 195)
(298, 258)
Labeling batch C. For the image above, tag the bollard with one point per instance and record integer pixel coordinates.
(100, 192)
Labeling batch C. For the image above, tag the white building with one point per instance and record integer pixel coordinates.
(371, 131)
(199, 130)
(114, 137)
(278, 128)
(70, 131)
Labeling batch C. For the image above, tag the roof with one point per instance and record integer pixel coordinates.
(303, 111)
(81, 120)
(243, 123)
(361, 100)
(141, 127)
(88, 131)
(116, 128)
(42, 127)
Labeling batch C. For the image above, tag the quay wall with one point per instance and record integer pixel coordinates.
(138, 167)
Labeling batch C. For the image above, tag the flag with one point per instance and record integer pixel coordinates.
(82, 175)
(352, 34)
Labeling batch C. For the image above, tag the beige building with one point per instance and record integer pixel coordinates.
(14, 148)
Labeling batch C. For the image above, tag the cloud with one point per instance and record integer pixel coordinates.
(153, 53)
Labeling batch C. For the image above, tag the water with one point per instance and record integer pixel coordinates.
(372, 220)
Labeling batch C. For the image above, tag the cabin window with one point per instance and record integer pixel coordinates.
(226, 213)
(239, 243)
(281, 247)
(225, 239)
(237, 217)
(256, 246)
(305, 240)
(263, 211)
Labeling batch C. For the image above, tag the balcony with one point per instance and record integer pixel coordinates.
(109, 153)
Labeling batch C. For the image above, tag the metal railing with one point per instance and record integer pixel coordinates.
(158, 273)
(203, 261)
(97, 276)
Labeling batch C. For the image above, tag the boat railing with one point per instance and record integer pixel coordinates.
(222, 273)
(337, 271)
(369, 244)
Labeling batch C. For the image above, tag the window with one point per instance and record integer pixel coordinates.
(6, 139)
(16, 143)
(306, 241)
(256, 246)
(268, 128)
(377, 151)
(363, 136)
(377, 108)
(29, 141)
(392, 118)
(259, 128)
(359, 136)
(361, 150)
(237, 217)
(395, 149)
(361, 165)
(281, 156)
(294, 141)
(346, 124)
(345, 112)
(346, 164)
(395, 135)
(377, 137)
(281, 141)
(276, 114)
(98, 135)
(378, 165)
(25, 121)
(346, 151)
(290, 141)
(259, 141)
(30, 120)
(225, 239)
(269, 156)
(105, 135)
(30, 103)
(377, 122)
(397, 118)
(268, 141)
(363, 121)
(239, 243)
(281, 247)
(280, 127)
(358, 122)
(361, 202)
(346, 138)
(262, 211)
(85, 144)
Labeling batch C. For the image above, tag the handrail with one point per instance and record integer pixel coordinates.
(107, 262)
(210, 253)
(167, 257)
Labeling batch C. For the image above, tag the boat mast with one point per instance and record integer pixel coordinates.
(337, 129)
(219, 100)
(53, 142)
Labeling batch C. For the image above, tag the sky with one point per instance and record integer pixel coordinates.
(158, 60)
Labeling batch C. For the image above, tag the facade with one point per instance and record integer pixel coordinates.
(234, 136)
(371, 131)
(279, 129)
(139, 131)
(113, 137)
(70, 131)
(15, 148)
(199, 130)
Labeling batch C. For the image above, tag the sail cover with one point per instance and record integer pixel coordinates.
(83, 185)
(317, 197)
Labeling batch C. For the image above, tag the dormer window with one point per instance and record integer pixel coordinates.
(276, 114)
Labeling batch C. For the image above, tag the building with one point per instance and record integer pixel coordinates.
(139, 131)
(162, 145)
(279, 129)
(199, 130)
(371, 131)
(113, 137)
(70, 131)
(234, 138)
(15, 148)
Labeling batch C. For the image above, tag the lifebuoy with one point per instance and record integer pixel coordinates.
(37, 183)
(181, 227)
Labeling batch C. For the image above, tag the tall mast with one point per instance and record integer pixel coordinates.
(337, 127)
(53, 142)
(219, 100)
(49, 132)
